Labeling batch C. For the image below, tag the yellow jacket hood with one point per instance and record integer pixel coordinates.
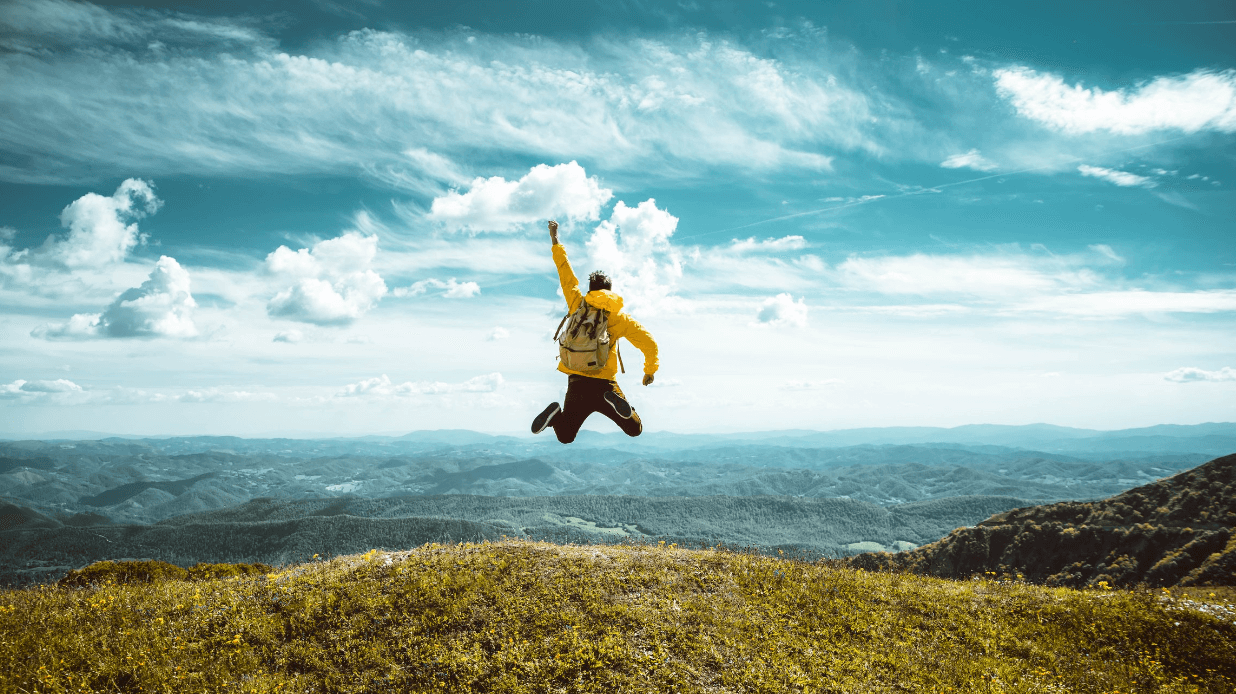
(604, 299)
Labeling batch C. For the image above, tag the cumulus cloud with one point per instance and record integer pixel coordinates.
(162, 306)
(332, 283)
(782, 310)
(289, 336)
(1203, 100)
(450, 289)
(545, 192)
(498, 333)
(102, 229)
(381, 386)
(20, 388)
(970, 160)
(633, 247)
(1190, 374)
(1120, 178)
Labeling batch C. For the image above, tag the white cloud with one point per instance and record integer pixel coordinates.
(1201, 100)
(161, 307)
(219, 395)
(450, 289)
(970, 160)
(1106, 251)
(545, 192)
(810, 385)
(289, 336)
(1190, 374)
(987, 276)
(233, 101)
(59, 385)
(1131, 302)
(102, 229)
(782, 310)
(633, 247)
(381, 386)
(332, 282)
(769, 245)
(767, 264)
(498, 333)
(1120, 178)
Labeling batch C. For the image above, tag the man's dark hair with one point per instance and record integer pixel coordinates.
(599, 280)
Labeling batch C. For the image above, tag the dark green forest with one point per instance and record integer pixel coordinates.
(38, 548)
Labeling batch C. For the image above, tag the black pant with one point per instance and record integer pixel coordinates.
(584, 396)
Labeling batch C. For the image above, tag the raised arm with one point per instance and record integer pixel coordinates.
(570, 283)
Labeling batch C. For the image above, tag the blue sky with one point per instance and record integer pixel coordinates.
(319, 218)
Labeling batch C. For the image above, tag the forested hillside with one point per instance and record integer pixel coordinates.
(38, 548)
(150, 480)
(1178, 531)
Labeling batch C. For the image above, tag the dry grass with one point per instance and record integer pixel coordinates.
(519, 616)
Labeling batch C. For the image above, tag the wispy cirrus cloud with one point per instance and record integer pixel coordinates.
(969, 160)
(1198, 101)
(1123, 179)
(382, 386)
(987, 276)
(234, 103)
(450, 289)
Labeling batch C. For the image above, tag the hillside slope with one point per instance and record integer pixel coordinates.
(532, 617)
(35, 548)
(1177, 531)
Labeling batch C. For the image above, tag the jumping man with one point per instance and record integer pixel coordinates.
(595, 390)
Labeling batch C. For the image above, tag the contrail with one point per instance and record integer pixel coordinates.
(931, 189)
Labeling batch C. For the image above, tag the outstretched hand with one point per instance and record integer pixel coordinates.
(648, 379)
(553, 231)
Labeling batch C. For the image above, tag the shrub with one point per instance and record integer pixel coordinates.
(123, 573)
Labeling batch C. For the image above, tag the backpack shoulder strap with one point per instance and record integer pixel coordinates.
(560, 325)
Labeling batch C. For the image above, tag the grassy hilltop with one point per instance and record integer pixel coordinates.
(519, 616)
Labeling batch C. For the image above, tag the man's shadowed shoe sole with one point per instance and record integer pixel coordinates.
(547, 415)
(621, 406)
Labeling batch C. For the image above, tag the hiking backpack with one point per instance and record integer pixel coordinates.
(584, 345)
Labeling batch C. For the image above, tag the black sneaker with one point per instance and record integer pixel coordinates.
(616, 401)
(547, 415)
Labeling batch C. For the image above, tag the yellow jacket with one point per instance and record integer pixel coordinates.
(620, 324)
